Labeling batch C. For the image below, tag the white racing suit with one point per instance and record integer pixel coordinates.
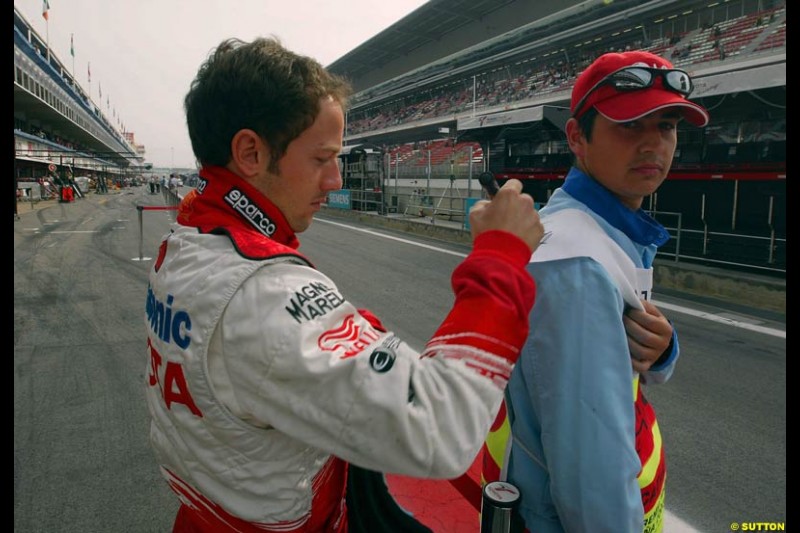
(263, 381)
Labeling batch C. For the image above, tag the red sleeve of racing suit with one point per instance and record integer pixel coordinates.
(374, 321)
(492, 302)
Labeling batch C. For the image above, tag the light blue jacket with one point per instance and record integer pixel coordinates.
(570, 396)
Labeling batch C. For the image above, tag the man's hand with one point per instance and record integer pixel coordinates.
(510, 210)
(649, 334)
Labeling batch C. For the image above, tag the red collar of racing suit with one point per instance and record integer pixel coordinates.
(224, 203)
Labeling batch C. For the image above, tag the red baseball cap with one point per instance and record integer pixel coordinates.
(624, 106)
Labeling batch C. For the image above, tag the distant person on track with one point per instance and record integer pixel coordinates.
(173, 184)
(16, 203)
(576, 434)
(263, 381)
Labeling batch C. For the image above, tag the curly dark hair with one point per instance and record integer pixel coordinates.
(261, 86)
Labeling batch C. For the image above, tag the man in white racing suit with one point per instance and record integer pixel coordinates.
(263, 381)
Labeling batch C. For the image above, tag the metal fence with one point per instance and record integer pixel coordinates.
(443, 199)
(441, 191)
(758, 253)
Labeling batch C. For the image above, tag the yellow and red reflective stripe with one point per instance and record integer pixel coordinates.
(650, 464)
(649, 447)
(495, 446)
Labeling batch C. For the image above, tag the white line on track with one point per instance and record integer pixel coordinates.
(75, 231)
(722, 319)
(391, 237)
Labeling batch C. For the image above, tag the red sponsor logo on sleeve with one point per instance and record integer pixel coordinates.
(348, 339)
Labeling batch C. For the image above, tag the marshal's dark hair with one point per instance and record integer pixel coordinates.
(586, 122)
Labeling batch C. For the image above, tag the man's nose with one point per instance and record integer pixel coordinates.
(652, 138)
(332, 180)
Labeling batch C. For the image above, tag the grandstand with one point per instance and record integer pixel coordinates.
(59, 131)
(462, 86)
(497, 103)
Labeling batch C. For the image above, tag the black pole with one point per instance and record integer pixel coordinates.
(499, 508)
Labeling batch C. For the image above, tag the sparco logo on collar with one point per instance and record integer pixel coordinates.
(249, 210)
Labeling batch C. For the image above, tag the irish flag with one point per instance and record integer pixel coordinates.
(45, 9)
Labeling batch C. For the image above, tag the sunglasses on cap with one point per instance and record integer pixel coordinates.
(637, 78)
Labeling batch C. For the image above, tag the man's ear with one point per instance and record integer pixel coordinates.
(249, 154)
(575, 138)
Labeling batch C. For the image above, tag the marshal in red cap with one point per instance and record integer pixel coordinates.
(629, 85)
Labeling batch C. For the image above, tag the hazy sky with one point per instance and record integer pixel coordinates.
(143, 54)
